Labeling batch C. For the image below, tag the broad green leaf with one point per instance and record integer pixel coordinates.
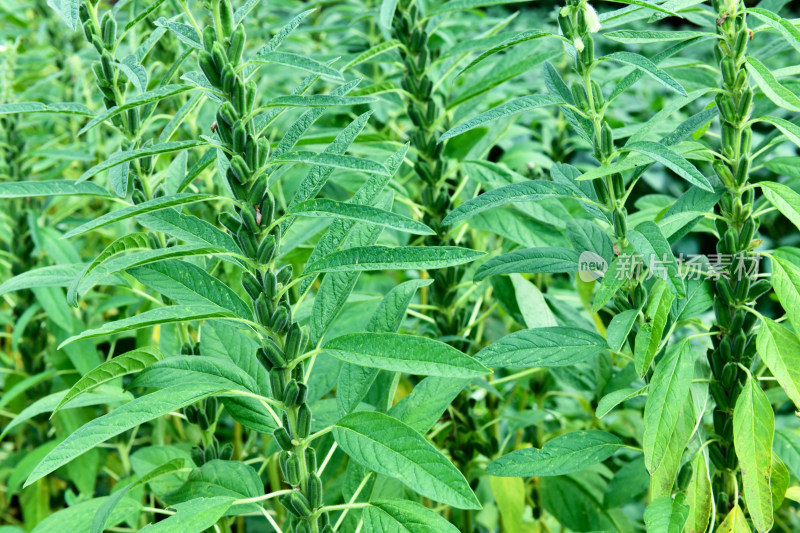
(193, 516)
(149, 206)
(135, 101)
(655, 252)
(389, 447)
(509, 493)
(699, 496)
(532, 304)
(189, 229)
(788, 166)
(26, 189)
(126, 417)
(779, 348)
(771, 87)
(122, 365)
(784, 199)
(735, 522)
(789, 129)
(665, 515)
(576, 503)
(197, 369)
(66, 108)
(346, 162)
(387, 10)
(788, 30)
(648, 67)
(527, 191)
(424, 406)
(662, 480)
(321, 207)
(650, 36)
(779, 481)
(611, 400)
(159, 315)
(221, 478)
(404, 516)
(124, 156)
(78, 517)
(186, 283)
(513, 107)
(530, 261)
(628, 483)
(753, 431)
(52, 276)
(673, 161)
(671, 383)
(568, 453)
(404, 353)
(542, 347)
(656, 316)
(619, 328)
(301, 62)
(398, 258)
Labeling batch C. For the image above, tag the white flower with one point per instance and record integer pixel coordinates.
(591, 18)
(578, 44)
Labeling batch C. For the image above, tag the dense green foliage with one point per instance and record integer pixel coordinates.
(399, 266)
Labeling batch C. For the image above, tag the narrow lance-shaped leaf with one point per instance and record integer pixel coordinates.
(123, 418)
(784, 198)
(648, 67)
(530, 261)
(521, 37)
(124, 156)
(789, 129)
(404, 353)
(321, 207)
(345, 162)
(771, 87)
(673, 161)
(753, 431)
(542, 347)
(699, 496)
(568, 453)
(404, 516)
(649, 36)
(779, 348)
(503, 110)
(66, 108)
(127, 363)
(26, 189)
(389, 447)
(397, 258)
(139, 100)
(657, 255)
(666, 515)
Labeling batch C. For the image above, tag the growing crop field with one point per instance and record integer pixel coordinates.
(399, 266)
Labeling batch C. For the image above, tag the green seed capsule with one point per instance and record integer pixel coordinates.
(606, 140)
(256, 192)
(243, 176)
(270, 351)
(742, 170)
(290, 394)
(279, 319)
(745, 103)
(314, 490)
(106, 62)
(88, 30)
(742, 289)
(268, 211)
(741, 44)
(230, 221)
(746, 140)
(263, 151)
(293, 339)
(293, 470)
(228, 78)
(601, 189)
(109, 30)
(228, 114)
(276, 380)
(282, 438)
(579, 94)
(209, 37)
(597, 96)
(237, 45)
(239, 96)
(311, 459)
(284, 275)
(728, 68)
(725, 291)
(303, 421)
(286, 502)
(209, 68)
(251, 285)
(300, 504)
(262, 311)
(220, 57)
(270, 284)
(620, 223)
(226, 17)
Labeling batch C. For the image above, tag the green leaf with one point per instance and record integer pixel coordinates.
(568, 453)
(753, 431)
(124, 156)
(619, 328)
(139, 209)
(121, 365)
(126, 417)
(221, 478)
(193, 516)
(520, 37)
(424, 406)
(222, 374)
(332, 160)
(139, 100)
(398, 258)
(186, 283)
(374, 51)
(650, 36)
(789, 129)
(786, 282)
(648, 67)
(461, 5)
(190, 229)
(530, 261)
(671, 383)
(389, 447)
(699, 496)
(788, 166)
(527, 191)
(656, 316)
(611, 400)
(298, 61)
(665, 515)
(542, 347)
(185, 33)
(779, 348)
(673, 161)
(404, 516)
(318, 100)
(78, 517)
(656, 253)
(784, 199)
(26, 189)
(513, 107)
(771, 87)
(153, 317)
(404, 353)
(788, 30)
(52, 276)
(735, 522)
(321, 207)
(66, 108)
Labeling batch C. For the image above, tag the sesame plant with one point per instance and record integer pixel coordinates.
(399, 266)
